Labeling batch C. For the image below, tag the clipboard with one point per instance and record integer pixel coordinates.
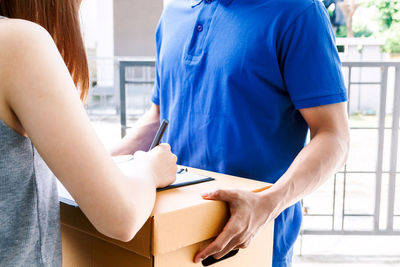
(183, 178)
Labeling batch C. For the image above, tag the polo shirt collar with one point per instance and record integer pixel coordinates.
(196, 2)
(224, 2)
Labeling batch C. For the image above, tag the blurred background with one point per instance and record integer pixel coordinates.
(354, 219)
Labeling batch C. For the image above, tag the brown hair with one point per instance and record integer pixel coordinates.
(61, 19)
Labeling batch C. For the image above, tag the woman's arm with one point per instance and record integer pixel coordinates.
(36, 86)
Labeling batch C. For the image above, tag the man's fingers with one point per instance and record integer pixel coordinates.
(243, 245)
(241, 241)
(222, 195)
(217, 245)
(232, 245)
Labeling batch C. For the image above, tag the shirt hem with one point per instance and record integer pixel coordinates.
(282, 263)
(155, 100)
(320, 101)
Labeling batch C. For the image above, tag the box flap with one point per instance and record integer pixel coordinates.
(73, 217)
(181, 217)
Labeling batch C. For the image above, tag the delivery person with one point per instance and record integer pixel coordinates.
(241, 82)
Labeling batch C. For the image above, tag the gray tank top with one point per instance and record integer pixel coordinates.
(29, 208)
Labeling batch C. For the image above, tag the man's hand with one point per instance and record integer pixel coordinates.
(248, 212)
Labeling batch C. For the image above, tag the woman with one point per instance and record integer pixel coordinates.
(41, 114)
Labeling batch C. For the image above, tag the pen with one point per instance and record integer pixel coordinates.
(159, 135)
(262, 189)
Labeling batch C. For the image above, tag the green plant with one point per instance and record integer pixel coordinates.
(392, 44)
(389, 18)
(341, 32)
(389, 11)
(361, 31)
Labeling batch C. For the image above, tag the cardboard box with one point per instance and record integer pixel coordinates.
(181, 223)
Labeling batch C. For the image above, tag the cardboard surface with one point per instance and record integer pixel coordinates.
(83, 250)
(183, 212)
(258, 254)
(73, 218)
(180, 224)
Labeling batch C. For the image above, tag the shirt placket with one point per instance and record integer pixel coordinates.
(201, 29)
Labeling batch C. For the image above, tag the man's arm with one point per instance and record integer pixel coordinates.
(320, 159)
(317, 162)
(141, 135)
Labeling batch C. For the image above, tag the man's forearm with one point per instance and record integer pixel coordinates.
(141, 135)
(316, 163)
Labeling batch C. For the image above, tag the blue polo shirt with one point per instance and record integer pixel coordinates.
(231, 76)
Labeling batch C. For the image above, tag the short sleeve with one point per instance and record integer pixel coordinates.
(155, 98)
(310, 62)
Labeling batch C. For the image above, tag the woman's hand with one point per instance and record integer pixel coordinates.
(248, 212)
(160, 162)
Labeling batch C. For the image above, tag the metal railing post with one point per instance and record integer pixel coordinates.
(122, 97)
(394, 150)
(381, 136)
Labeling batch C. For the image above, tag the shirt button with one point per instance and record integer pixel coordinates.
(199, 28)
(208, 1)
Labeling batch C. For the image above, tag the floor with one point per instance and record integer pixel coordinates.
(347, 251)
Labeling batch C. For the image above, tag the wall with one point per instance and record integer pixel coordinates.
(135, 22)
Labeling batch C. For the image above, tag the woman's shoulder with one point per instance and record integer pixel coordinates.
(14, 29)
(22, 43)
(19, 39)
(18, 33)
